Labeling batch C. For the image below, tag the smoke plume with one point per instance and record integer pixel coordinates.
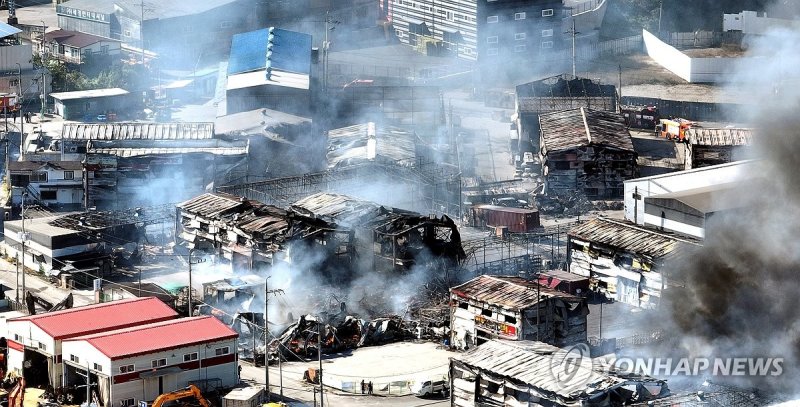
(740, 289)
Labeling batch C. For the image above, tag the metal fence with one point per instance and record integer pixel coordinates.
(689, 110)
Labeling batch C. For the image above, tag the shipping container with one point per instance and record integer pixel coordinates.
(244, 397)
(516, 219)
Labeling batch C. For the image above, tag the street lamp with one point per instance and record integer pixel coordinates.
(21, 119)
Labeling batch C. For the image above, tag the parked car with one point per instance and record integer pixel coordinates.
(431, 387)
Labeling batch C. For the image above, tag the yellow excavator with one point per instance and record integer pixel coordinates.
(191, 391)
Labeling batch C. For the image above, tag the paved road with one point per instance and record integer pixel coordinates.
(39, 287)
(303, 394)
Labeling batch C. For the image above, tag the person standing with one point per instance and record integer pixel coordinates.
(369, 388)
(363, 387)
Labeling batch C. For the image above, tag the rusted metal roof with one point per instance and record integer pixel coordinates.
(137, 131)
(341, 209)
(583, 127)
(212, 204)
(509, 292)
(368, 143)
(141, 152)
(630, 237)
(719, 137)
(541, 366)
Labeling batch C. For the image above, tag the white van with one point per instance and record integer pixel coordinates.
(430, 387)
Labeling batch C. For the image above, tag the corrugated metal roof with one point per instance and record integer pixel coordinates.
(341, 209)
(534, 364)
(160, 336)
(290, 52)
(510, 292)
(137, 131)
(630, 237)
(7, 30)
(719, 137)
(102, 317)
(139, 152)
(507, 209)
(35, 165)
(212, 204)
(565, 85)
(584, 127)
(367, 142)
(88, 94)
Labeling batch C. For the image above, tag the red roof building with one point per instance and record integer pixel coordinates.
(138, 363)
(36, 339)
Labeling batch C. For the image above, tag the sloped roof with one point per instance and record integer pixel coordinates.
(159, 336)
(74, 38)
(719, 137)
(368, 142)
(7, 30)
(709, 199)
(88, 94)
(35, 165)
(509, 292)
(535, 364)
(137, 131)
(338, 208)
(157, 9)
(214, 204)
(101, 317)
(582, 127)
(630, 237)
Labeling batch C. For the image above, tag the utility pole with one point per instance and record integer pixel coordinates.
(319, 358)
(620, 83)
(21, 119)
(267, 292)
(325, 46)
(189, 293)
(24, 237)
(141, 34)
(574, 34)
(660, 7)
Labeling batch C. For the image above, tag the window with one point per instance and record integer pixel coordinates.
(74, 52)
(519, 48)
(126, 368)
(69, 174)
(97, 367)
(128, 32)
(190, 357)
(104, 49)
(48, 195)
(519, 36)
(17, 338)
(39, 177)
(491, 19)
(60, 49)
(491, 40)
(222, 351)
(13, 82)
(159, 363)
(519, 16)
(547, 12)
(547, 33)
(547, 44)
(42, 346)
(510, 319)
(74, 358)
(127, 403)
(491, 51)
(486, 312)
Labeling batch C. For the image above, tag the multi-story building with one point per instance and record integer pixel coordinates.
(478, 29)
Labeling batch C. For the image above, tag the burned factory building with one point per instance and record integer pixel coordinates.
(251, 235)
(588, 151)
(555, 94)
(706, 146)
(623, 261)
(130, 164)
(501, 307)
(505, 373)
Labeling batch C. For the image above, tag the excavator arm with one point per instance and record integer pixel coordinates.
(191, 391)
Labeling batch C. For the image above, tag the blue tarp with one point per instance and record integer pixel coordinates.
(6, 30)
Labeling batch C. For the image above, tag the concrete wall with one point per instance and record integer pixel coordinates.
(694, 70)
